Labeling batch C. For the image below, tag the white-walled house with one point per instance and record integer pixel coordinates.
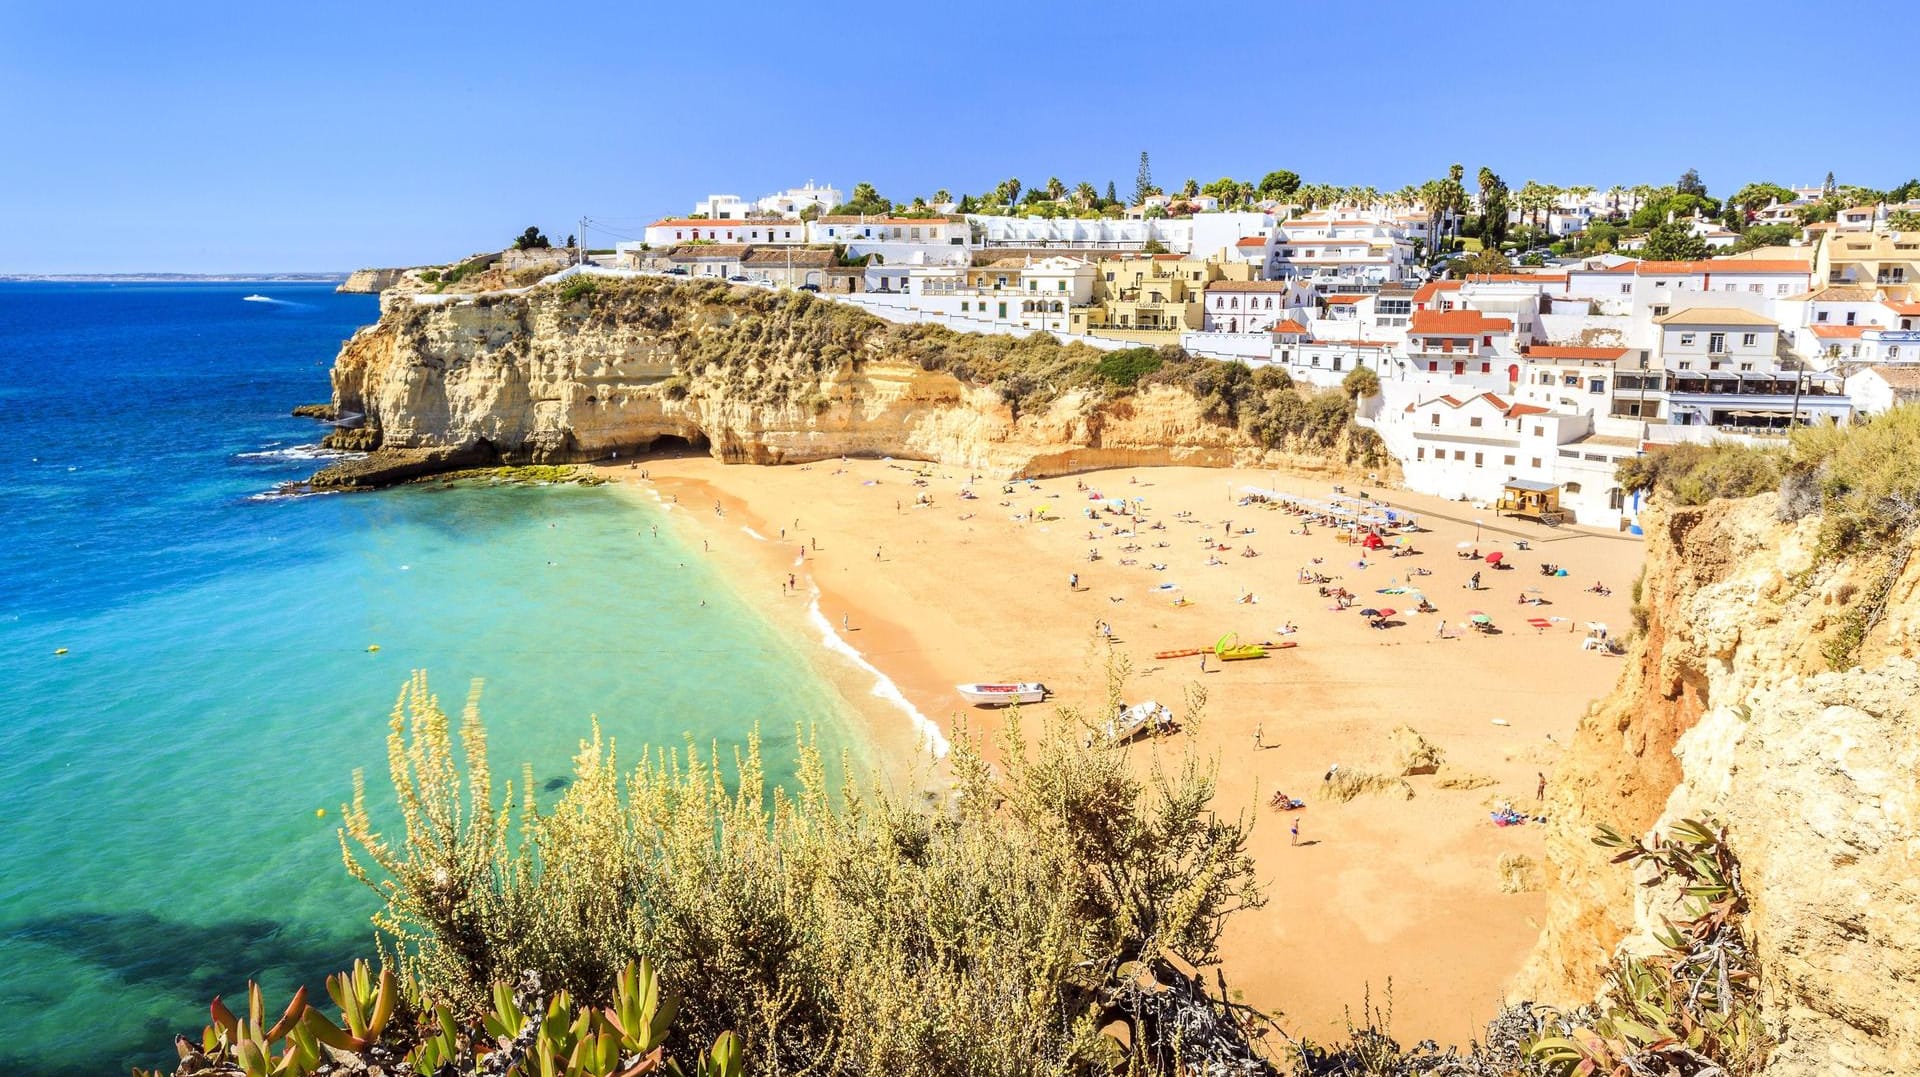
(794, 201)
(1081, 233)
(1875, 389)
(1252, 306)
(723, 207)
(676, 230)
(1723, 370)
(1632, 287)
(894, 239)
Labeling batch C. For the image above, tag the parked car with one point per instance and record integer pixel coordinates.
(764, 282)
(678, 271)
(738, 278)
(809, 287)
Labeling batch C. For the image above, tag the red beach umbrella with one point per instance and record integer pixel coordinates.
(1496, 557)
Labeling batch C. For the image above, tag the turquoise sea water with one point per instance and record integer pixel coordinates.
(158, 842)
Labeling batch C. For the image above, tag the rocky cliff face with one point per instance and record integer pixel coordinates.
(1728, 708)
(371, 281)
(548, 378)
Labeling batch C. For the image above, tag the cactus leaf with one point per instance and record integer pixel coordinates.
(383, 1002)
(224, 1019)
(288, 1020)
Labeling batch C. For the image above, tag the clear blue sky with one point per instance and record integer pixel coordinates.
(262, 135)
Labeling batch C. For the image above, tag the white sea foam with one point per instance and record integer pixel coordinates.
(757, 536)
(883, 685)
(300, 452)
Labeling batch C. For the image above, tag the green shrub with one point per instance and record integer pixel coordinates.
(1125, 368)
(1695, 474)
(840, 930)
(576, 286)
(1361, 382)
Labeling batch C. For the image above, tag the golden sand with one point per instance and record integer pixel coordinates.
(1380, 887)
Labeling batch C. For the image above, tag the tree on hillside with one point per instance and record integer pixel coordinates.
(1673, 242)
(1143, 182)
(1480, 262)
(1056, 190)
(1009, 191)
(1153, 246)
(1690, 183)
(1085, 196)
(531, 239)
(943, 195)
(1493, 208)
(1758, 196)
(1827, 188)
(865, 201)
(1113, 196)
(1280, 183)
(1766, 235)
(1361, 382)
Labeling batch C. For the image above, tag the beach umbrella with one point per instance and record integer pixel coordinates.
(1496, 557)
(1369, 612)
(1481, 619)
(1419, 599)
(1387, 612)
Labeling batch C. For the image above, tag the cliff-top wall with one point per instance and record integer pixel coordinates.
(557, 375)
(1728, 708)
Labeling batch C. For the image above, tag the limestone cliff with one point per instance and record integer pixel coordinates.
(1728, 708)
(562, 374)
(371, 281)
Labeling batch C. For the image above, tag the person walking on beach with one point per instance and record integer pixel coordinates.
(1257, 737)
(1073, 581)
(1203, 661)
(1540, 790)
(792, 584)
(876, 553)
(1296, 830)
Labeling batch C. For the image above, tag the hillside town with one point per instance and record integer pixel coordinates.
(1522, 342)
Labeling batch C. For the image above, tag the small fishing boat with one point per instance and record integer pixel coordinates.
(1003, 694)
(1138, 720)
(1228, 648)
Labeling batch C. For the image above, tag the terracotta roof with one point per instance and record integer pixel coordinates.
(850, 219)
(1509, 278)
(1566, 351)
(1435, 287)
(1714, 316)
(1841, 332)
(1251, 241)
(1248, 286)
(1903, 308)
(1525, 409)
(1454, 402)
(1346, 299)
(1290, 326)
(1839, 293)
(724, 222)
(781, 257)
(1350, 343)
(697, 251)
(1455, 323)
(1903, 379)
(1712, 265)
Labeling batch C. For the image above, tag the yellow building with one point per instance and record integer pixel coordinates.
(1153, 298)
(1889, 260)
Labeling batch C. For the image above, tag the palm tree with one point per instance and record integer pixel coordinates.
(1055, 189)
(1190, 188)
(943, 195)
(1084, 195)
(1613, 199)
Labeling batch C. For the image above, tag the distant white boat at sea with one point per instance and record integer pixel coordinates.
(261, 299)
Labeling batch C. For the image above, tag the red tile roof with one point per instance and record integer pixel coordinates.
(1841, 332)
(1290, 326)
(1435, 287)
(1559, 351)
(1345, 300)
(1525, 409)
(1903, 308)
(1508, 278)
(1455, 323)
(1252, 241)
(1714, 265)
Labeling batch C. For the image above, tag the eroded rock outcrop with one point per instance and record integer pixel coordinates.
(555, 376)
(1728, 708)
(371, 281)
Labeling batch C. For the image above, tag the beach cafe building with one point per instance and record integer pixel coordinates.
(1530, 499)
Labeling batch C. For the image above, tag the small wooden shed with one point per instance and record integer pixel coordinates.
(1530, 499)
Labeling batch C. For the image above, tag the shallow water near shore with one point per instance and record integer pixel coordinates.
(160, 842)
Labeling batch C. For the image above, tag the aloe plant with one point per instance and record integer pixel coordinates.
(366, 1006)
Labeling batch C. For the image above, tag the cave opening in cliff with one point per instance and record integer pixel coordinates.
(675, 445)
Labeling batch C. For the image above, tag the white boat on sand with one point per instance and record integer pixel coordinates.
(1003, 694)
(1140, 719)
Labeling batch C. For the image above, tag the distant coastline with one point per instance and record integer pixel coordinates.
(176, 278)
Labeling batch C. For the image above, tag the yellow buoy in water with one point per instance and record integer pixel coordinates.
(60, 651)
(372, 648)
(319, 813)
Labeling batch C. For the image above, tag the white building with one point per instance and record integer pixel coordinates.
(676, 230)
(794, 201)
(1723, 369)
(722, 207)
(1253, 306)
(917, 240)
(1081, 233)
(1638, 286)
(1875, 389)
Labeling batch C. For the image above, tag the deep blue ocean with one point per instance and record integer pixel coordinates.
(159, 842)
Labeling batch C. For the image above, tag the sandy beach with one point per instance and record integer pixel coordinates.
(1378, 887)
